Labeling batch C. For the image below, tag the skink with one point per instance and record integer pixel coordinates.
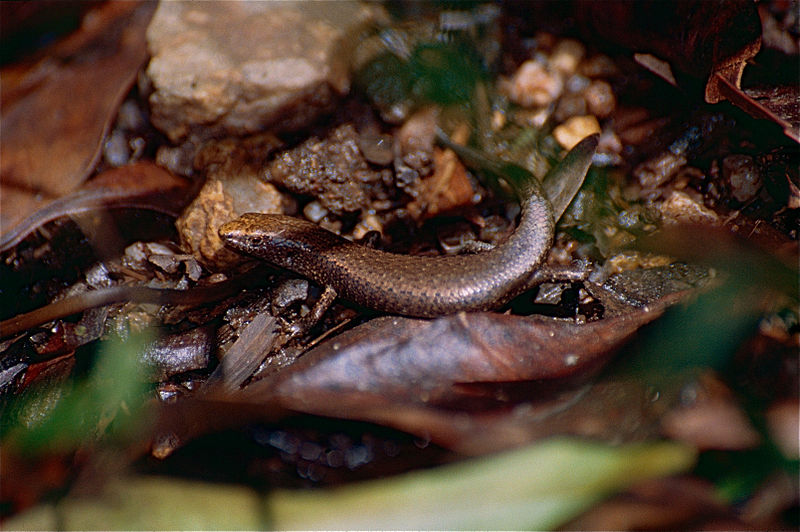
(409, 285)
(415, 286)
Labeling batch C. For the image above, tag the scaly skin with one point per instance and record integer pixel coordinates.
(402, 284)
(414, 286)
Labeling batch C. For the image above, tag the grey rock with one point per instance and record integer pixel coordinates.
(233, 68)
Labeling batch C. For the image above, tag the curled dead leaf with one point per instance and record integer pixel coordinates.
(141, 185)
(56, 115)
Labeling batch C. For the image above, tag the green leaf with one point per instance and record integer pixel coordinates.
(63, 416)
(538, 487)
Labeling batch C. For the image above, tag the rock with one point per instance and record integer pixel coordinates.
(234, 68)
(569, 105)
(448, 189)
(680, 207)
(575, 130)
(234, 187)
(600, 98)
(598, 66)
(533, 85)
(658, 170)
(332, 169)
(567, 56)
(782, 420)
(418, 133)
(368, 223)
(742, 176)
(377, 149)
(314, 211)
(645, 285)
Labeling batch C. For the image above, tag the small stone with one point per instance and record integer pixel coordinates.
(197, 226)
(314, 211)
(418, 132)
(333, 170)
(680, 207)
(569, 105)
(533, 85)
(576, 129)
(116, 151)
(369, 223)
(288, 293)
(600, 99)
(135, 256)
(598, 66)
(232, 189)
(499, 120)
(448, 188)
(609, 146)
(742, 175)
(534, 118)
(566, 56)
(377, 149)
(577, 83)
(658, 170)
(130, 116)
(177, 159)
(782, 420)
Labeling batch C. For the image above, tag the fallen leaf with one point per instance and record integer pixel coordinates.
(421, 361)
(538, 487)
(141, 185)
(57, 114)
(700, 38)
(410, 373)
(663, 504)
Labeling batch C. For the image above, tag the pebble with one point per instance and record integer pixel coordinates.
(419, 131)
(116, 151)
(742, 175)
(600, 98)
(368, 223)
(567, 56)
(782, 420)
(680, 207)
(288, 293)
(658, 170)
(575, 129)
(569, 105)
(377, 149)
(598, 66)
(233, 188)
(331, 169)
(533, 85)
(314, 211)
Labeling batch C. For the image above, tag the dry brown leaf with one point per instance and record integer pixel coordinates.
(56, 114)
(416, 375)
(141, 185)
(700, 38)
